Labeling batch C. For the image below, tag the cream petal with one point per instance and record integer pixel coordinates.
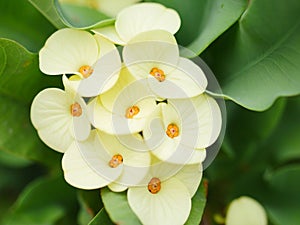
(188, 80)
(169, 149)
(105, 45)
(105, 75)
(112, 123)
(99, 116)
(79, 48)
(116, 145)
(162, 169)
(181, 149)
(135, 163)
(184, 81)
(198, 156)
(135, 94)
(71, 84)
(115, 187)
(190, 176)
(78, 173)
(50, 115)
(247, 211)
(110, 33)
(57, 136)
(170, 206)
(172, 151)
(154, 132)
(81, 126)
(170, 115)
(97, 157)
(144, 17)
(152, 49)
(108, 98)
(201, 120)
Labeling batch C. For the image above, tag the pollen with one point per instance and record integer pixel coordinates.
(86, 71)
(115, 161)
(132, 111)
(76, 109)
(154, 185)
(172, 130)
(158, 74)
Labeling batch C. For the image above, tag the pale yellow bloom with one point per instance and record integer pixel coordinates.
(165, 196)
(140, 18)
(103, 160)
(246, 211)
(93, 59)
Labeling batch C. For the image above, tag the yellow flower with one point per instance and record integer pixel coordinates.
(103, 160)
(125, 108)
(246, 211)
(165, 196)
(181, 129)
(154, 56)
(60, 117)
(93, 59)
(139, 18)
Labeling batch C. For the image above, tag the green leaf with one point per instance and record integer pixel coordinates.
(204, 20)
(67, 15)
(13, 161)
(282, 199)
(216, 18)
(285, 143)
(90, 203)
(258, 60)
(249, 130)
(20, 81)
(19, 21)
(117, 207)
(19, 72)
(44, 201)
(13, 179)
(198, 204)
(101, 218)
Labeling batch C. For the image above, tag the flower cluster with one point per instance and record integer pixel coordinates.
(133, 114)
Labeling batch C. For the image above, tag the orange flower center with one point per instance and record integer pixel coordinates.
(132, 111)
(154, 185)
(172, 130)
(86, 71)
(76, 110)
(158, 74)
(115, 161)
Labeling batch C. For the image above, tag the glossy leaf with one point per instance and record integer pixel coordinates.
(282, 199)
(20, 82)
(67, 15)
(10, 160)
(101, 218)
(19, 21)
(19, 72)
(45, 201)
(198, 204)
(90, 203)
(202, 21)
(285, 143)
(248, 131)
(118, 208)
(258, 60)
(14, 177)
